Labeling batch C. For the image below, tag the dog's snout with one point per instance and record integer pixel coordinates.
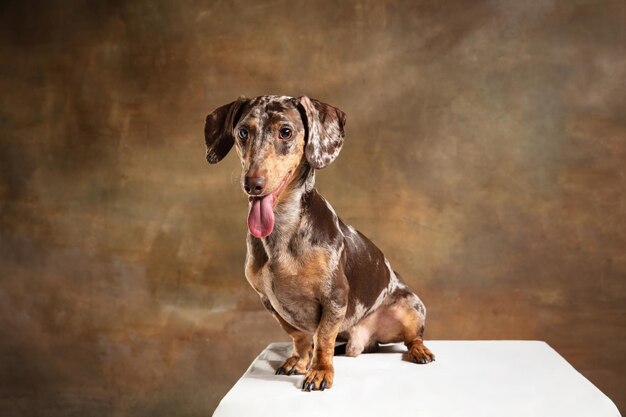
(254, 185)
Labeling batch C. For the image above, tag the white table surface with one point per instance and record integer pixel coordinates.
(469, 378)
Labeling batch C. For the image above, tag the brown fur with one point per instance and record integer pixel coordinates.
(321, 279)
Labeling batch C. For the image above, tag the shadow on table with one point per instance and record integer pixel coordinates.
(266, 371)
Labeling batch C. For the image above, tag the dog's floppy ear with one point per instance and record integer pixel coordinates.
(218, 130)
(324, 124)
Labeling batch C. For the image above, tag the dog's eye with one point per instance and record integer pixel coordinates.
(243, 134)
(285, 133)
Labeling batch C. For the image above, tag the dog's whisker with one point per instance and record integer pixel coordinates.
(235, 177)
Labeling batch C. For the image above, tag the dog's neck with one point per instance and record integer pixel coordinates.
(288, 211)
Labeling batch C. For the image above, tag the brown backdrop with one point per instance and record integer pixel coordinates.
(485, 155)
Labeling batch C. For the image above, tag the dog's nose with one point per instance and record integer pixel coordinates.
(254, 185)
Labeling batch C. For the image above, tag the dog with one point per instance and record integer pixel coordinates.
(320, 278)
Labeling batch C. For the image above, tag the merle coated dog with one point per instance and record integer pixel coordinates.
(319, 277)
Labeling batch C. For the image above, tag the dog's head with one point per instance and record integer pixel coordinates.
(276, 137)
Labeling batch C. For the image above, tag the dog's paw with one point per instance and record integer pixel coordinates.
(295, 365)
(419, 353)
(318, 378)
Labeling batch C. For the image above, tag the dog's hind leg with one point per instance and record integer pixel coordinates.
(361, 338)
(403, 319)
(411, 313)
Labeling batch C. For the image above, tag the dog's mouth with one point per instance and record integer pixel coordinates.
(261, 211)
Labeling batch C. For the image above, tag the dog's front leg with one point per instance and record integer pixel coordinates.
(300, 357)
(321, 373)
(301, 352)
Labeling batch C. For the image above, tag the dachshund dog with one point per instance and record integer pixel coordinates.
(320, 278)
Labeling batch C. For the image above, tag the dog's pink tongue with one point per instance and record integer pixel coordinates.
(261, 216)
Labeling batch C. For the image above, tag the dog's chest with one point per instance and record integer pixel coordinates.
(292, 284)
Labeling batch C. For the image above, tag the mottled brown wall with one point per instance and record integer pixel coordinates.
(485, 154)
